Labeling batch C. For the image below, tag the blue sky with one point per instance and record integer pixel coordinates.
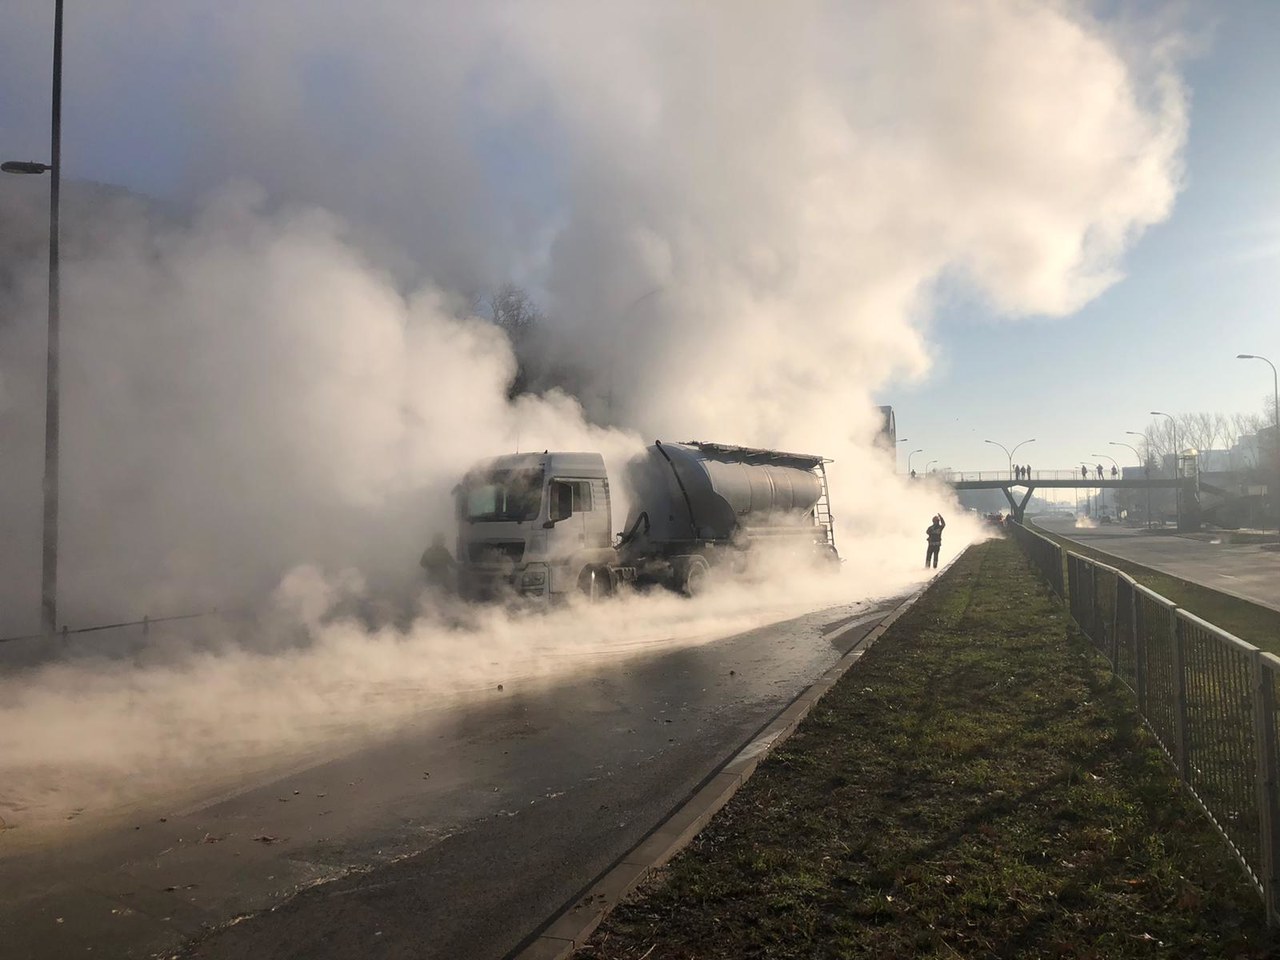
(1199, 288)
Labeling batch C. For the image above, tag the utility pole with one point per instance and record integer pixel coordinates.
(1177, 474)
(49, 552)
(1273, 493)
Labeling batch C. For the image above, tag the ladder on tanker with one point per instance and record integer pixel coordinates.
(822, 509)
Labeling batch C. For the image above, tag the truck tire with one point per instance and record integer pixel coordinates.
(595, 583)
(695, 576)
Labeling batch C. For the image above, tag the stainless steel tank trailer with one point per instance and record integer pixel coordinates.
(539, 525)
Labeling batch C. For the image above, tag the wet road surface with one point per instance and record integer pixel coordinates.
(457, 839)
(1243, 570)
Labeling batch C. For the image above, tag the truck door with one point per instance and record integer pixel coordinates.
(567, 535)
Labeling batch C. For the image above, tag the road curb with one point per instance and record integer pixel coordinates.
(569, 929)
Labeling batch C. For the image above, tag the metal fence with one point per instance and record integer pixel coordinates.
(1209, 698)
(1045, 554)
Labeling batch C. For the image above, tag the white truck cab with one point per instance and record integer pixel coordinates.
(535, 525)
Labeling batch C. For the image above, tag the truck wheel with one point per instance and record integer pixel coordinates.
(696, 576)
(595, 584)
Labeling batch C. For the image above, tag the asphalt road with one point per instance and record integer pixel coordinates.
(455, 840)
(1244, 570)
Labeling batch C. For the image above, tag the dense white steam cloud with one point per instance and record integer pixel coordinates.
(737, 216)
(247, 392)
(791, 180)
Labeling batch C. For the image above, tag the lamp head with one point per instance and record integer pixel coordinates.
(24, 166)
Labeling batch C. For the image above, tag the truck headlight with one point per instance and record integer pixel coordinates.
(534, 577)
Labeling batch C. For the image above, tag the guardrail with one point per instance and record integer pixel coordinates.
(1045, 555)
(953, 475)
(65, 633)
(1207, 696)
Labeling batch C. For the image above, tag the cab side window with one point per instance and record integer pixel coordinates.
(581, 495)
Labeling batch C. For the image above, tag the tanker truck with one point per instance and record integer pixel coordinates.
(539, 525)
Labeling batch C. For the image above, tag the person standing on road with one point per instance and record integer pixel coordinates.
(1100, 474)
(1114, 471)
(1084, 472)
(934, 536)
(441, 570)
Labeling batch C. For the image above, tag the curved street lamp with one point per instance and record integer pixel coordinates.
(996, 443)
(1107, 457)
(1009, 453)
(928, 465)
(1104, 456)
(1141, 463)
(1146, 459)
(1119, 443)
(1177, 491)
(910, 455)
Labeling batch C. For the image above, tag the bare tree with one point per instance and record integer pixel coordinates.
(511, 308)
(1200, 431)
(1245, 424)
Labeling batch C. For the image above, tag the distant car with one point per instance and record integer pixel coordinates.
(1105, 518)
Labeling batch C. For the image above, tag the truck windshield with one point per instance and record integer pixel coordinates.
(503, 495)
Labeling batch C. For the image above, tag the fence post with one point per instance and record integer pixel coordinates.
(1114, 644)
(1139, 653)
(1181, 732)
(1264, 733)
(1095, 614)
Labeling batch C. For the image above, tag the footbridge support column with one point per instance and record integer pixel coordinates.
(1017, 507)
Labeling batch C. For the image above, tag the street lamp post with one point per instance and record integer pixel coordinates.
(1146, 467)
(928, 465)
(1275, 384)
(49, 554)
(1114, 502)
(1006, 453)
(1138, 457)
(1088, 491)
(1177, 491)
(1009, 453)
(910, 455)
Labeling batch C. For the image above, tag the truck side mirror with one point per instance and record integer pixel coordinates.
(561, 502)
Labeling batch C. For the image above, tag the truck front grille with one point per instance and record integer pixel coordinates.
(497, 552)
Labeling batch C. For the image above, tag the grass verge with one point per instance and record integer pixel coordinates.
(1248, 621)
(978, 786)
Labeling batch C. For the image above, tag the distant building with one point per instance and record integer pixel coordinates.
(1214, 461)
(888, 436)
(1245, 454)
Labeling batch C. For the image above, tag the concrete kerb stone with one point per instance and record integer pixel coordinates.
(570, 930)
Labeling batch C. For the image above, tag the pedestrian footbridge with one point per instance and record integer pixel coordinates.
(1060, 479)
